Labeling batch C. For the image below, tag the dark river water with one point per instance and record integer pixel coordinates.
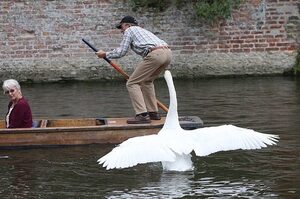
(265, 104)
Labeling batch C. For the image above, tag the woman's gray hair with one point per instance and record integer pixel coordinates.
(10, 84)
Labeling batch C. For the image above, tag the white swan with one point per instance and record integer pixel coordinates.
(173, 145)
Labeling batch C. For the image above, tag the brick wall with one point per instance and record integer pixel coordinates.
(41, 40)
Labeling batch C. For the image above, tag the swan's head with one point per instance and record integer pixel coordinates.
(167, 74)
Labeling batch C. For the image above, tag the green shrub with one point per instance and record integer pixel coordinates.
(209, 11)
(215, 10)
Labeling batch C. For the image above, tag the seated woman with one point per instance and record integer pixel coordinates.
(19, 112)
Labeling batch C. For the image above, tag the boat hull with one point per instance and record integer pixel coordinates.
(63, 132)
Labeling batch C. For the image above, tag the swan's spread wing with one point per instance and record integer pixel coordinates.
(137, 150)
(228, 137)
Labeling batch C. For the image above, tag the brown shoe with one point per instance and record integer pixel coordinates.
(154, 116)
(139, 119)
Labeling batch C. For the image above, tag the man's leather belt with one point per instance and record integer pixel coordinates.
(158, 47)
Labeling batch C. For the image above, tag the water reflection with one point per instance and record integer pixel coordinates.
(178, 185)
(169, 185)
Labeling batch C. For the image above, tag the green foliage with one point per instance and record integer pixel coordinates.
(209, 11)
(215, 10)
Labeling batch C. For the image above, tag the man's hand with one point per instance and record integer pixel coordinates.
(101, 54)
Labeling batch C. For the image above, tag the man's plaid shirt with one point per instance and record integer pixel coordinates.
(139, 40)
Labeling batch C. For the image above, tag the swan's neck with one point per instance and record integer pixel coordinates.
(172, 120)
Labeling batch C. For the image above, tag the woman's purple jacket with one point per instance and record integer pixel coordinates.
(20, 116)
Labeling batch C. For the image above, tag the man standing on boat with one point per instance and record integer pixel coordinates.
(156, 57)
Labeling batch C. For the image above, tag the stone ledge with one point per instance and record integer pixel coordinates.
(187, 66)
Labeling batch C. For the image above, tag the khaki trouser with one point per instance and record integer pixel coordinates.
(140, 84)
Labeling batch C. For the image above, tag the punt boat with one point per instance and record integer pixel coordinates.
(82, 131)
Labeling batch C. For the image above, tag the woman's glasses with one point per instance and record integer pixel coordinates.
(9, 91)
